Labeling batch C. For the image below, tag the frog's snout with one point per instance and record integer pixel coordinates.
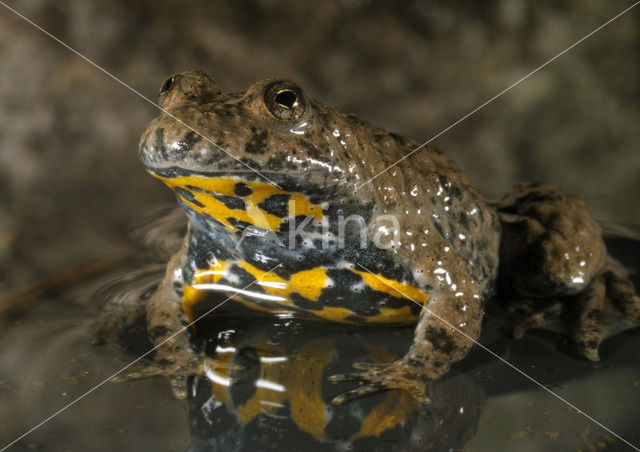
(187, 86)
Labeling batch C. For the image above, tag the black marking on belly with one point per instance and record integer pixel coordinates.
(440, 338)
(202, 250)
(238, 224)
(241, 189)
(300, 223)
(186, 194)
(231, 202)
(257, 144)
(304, 303)
(244, 279)
(247, 281)
(277, 205)
(349, 291)
(294, 259)
(337, 212)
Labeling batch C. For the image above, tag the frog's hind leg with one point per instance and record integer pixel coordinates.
(553, 256)
(609, 305)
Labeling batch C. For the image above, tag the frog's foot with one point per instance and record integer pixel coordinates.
(376, 378)
(547, 317)
(177, 372)
(608, 305)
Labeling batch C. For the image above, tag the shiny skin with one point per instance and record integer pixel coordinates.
(439, 269)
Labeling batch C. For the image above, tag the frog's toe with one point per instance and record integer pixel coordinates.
(356, 393)
(365, 366)
(137, 371)
(377, 378)
(368, 371)
(548, 317)
(177, 380)
(176, 372)
(588, 347)
(355, 376)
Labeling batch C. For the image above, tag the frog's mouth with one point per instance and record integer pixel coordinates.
(234, 200)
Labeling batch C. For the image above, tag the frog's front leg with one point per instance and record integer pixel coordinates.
(447, 328)
(554, 266)
(174, 357)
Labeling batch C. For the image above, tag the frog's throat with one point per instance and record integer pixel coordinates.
(233, 201)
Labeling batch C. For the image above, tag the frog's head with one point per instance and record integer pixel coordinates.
(224, 153)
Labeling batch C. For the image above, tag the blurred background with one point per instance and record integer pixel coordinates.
(70, 180)
(71, 185)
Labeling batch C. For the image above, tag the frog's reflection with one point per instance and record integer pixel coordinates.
(264, 387)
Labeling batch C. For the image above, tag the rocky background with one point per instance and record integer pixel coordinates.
(70, 181)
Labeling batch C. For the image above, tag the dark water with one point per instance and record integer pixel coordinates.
(264, 387)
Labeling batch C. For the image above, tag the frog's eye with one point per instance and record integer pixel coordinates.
(166, 86)
(285, 101)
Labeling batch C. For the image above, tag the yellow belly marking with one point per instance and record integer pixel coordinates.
(298, 203)
(391, 287)
(308, 284)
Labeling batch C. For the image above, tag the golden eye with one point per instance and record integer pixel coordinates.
(285, 101)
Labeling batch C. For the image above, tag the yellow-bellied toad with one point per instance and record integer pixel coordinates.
(279, 219)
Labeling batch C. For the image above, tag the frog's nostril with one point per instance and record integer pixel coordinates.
(286, 98)
(166, 86)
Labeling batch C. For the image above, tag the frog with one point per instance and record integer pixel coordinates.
(295, 208)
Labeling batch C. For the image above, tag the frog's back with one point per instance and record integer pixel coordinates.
(433, 201)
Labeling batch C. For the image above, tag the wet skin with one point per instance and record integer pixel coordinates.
(276, 233)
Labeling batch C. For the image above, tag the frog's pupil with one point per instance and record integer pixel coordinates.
(286, 98)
